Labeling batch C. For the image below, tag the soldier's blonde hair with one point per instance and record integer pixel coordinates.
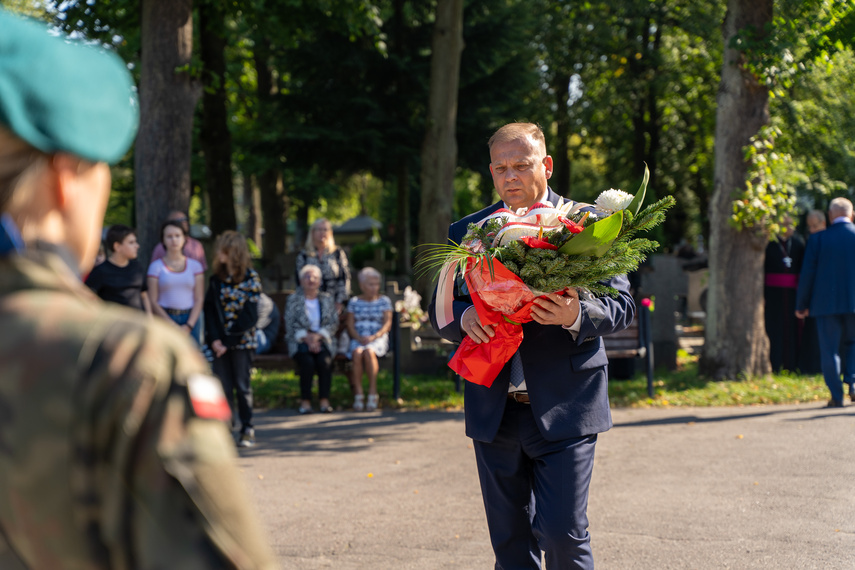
(20, 165)
(234, 246)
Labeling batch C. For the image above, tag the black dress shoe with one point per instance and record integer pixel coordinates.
(834, 404)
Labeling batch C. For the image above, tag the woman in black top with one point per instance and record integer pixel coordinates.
(231, 311)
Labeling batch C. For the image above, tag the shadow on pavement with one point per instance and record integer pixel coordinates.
(285, 432)
(818, 413)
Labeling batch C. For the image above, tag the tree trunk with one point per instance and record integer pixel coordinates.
(403, 220)
(653, 127)
(560, 181)
(252, 199)
(403, 241)
(167, 99)
(439, 150)
(214, 136)
(274, 206)
(301, 232)
(736, 341)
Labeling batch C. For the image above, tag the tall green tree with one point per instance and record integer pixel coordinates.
(215, 136)
(439, 151)
(168, 96)
(735, 339)
(754, 186)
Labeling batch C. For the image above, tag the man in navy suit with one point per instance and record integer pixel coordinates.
(536, 426)
(827, 292)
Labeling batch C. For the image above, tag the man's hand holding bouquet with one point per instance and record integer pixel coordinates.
(511, 259)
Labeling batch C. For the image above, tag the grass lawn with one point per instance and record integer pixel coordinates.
(682, 387)
(281, 389)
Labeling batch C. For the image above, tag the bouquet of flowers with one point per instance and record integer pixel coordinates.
(509, 259)
(410, 308)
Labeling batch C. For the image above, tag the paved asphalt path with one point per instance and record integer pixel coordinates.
(694, 488)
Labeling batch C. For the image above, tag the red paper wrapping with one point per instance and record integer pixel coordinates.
(502, 300)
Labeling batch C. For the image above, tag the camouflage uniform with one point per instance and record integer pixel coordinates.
(112, 449)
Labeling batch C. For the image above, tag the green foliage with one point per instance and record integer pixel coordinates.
(619, 81)
(802, 34)
(467, 193)
(685, 387)
(645, 76)
(817, 129)
(804, 155)
(361, 254)
(120, 208)
(769, 199)
(30, 8)
(254, 252)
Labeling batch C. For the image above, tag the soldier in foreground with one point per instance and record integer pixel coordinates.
(113, 449)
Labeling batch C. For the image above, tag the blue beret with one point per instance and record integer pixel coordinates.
(64, 96)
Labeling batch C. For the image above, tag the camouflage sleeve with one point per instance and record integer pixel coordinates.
(154, 459)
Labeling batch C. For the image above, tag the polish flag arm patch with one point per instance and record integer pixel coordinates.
(208, 398)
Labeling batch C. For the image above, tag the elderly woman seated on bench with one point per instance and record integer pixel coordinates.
(369, 319)
(312, 321)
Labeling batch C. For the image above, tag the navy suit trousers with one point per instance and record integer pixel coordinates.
(836, 332)
(536, 494)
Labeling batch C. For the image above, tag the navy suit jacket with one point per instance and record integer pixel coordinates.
(566, 379)
(827, 279)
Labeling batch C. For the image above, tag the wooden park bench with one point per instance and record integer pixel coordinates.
(277, 358)
(634, 342)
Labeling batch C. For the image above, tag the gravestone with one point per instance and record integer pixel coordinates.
(665, 280)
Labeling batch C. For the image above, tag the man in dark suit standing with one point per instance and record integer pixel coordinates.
(827, 291)
(536, 426)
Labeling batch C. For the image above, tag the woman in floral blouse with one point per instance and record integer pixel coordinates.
(231, 311)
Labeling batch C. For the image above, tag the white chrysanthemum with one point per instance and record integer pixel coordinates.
(614, 200)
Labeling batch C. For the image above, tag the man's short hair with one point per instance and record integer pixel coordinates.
(517, 131)
(117, 234)
(839, 207)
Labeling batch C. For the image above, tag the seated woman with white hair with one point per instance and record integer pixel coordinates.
(312, 321)
(369, 319)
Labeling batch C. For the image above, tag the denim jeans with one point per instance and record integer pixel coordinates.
(182, 319)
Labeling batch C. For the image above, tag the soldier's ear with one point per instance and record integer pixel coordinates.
(62, 173)
(66, 172)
